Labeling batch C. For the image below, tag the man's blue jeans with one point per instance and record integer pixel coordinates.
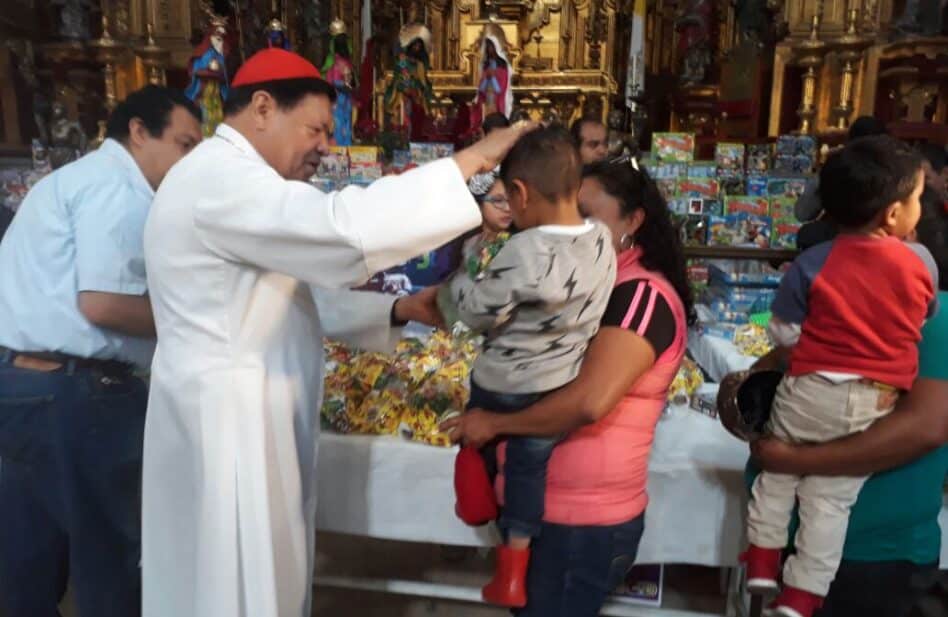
(70, 490)
(524, 467)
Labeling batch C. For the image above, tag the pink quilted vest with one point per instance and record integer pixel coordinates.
(597, 476)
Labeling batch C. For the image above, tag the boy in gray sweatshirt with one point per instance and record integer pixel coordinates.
(539, 303)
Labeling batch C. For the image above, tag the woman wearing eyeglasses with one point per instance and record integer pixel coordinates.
(491, 196)
(595, 497)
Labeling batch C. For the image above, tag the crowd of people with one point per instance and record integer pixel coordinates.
(215, 266)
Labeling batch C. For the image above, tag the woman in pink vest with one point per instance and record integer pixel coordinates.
(595, 496)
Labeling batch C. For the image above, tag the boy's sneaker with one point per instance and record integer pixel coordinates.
(763, 569)
(794, 602)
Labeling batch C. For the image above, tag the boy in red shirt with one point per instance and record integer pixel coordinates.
(852, 310)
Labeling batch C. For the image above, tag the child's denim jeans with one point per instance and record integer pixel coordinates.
(524, 467)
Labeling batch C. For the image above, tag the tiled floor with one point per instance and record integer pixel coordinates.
(689, 588)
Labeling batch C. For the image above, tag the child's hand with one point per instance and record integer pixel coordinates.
(472, 428)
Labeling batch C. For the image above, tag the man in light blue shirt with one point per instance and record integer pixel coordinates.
(75, 321)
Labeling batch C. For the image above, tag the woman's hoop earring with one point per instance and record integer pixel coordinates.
(626, 239)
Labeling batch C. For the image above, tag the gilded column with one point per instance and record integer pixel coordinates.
(850, 46)
(809, 54)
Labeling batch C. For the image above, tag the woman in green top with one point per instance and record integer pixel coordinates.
(893, 541)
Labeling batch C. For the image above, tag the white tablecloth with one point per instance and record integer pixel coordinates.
(717, 356)
(383, 487)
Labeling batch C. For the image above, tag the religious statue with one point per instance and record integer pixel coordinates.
(694, 41)
(276, 35)
(620, 142)
(67, 141)
(208, 71)
(73, 21)
(409, 96)
(338, 70)
(494, 93)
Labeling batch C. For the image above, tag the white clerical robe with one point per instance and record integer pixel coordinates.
(232, 250)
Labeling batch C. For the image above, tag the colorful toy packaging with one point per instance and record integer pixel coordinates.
(334, 165)
(732, 184)
(729, 155)
(786, 186)
(695, 205)
(740, 230)
(706, 188)
(694, 229)
(702, 169)
(679, 205)
(674, 147)
(758, 158)
(795, 153)
(746, 203)
(668, 187)
(757, 186)
(422, 153)
(669, 171)
(782, 208)
(785, 233)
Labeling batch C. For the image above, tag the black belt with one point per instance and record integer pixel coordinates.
(107, 367)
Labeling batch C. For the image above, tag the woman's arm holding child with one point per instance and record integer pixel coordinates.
(615, 359)
(918, 425)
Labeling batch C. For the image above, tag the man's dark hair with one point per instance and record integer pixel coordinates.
(867, 175)
(935, 154)
(576, 131)
(494, 121)
(866, 126)
(286, 92)
(153, 106)
(546, 161)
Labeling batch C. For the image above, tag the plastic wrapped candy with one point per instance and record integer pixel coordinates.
(752, 340)
(381, 412)
(408, 393)
(686, 382)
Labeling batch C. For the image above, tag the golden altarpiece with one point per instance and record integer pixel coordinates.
(87, 54)
(744, 69)
(841, 60)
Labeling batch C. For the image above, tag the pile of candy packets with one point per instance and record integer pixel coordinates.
(752, 340)
(686, 383)
(408, 393)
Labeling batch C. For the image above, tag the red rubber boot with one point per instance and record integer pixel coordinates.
(476, 501)
(763, 568)
(509, 585)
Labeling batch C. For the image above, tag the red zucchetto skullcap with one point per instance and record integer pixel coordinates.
(274, 64)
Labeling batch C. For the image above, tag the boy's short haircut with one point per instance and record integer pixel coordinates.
(865, 177)
(547, 162)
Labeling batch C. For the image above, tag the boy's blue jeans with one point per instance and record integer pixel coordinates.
(524, 468)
